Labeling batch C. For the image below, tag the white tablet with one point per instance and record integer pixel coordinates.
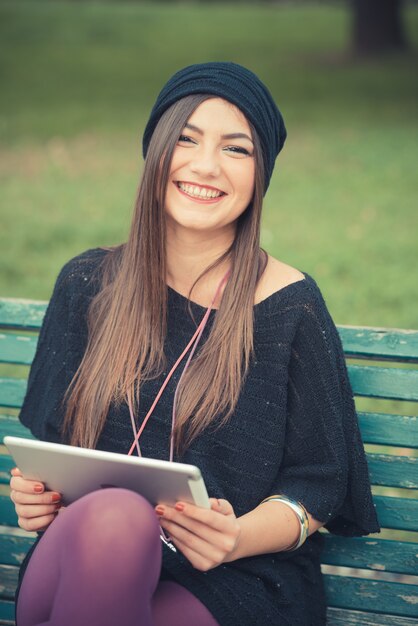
(74, 472)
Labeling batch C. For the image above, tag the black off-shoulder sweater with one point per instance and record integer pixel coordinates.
(294, 431)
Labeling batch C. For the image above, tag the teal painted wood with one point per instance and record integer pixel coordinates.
(7, 612)
(343, 617)
(366, 381)
(13, 548)
(384, 382)
(396, 344)
(17, 348)
(8, 515)
(392, 344)
(389, 430)
(376, 428)
(397, 513)
(382, 555)
(8, 577)
(378, 596)
(10, 425)
(12, 392)
(6, 464)
(393, 471)
(25, 314)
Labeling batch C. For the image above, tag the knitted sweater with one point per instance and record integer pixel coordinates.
(294, 431)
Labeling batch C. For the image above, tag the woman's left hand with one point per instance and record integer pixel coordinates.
(206, 537)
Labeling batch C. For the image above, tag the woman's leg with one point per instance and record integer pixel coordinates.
(98, 564)
(173, 605)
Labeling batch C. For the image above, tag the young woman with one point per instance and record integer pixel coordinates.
(261, 403)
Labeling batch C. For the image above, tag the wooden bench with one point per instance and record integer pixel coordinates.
(381, 586)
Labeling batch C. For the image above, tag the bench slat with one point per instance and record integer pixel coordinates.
(385, 469)
(397, 513)
(389, 430)
(364, 594)
(376, 428)
(376, 382)
(343, 592)
(7, 513)
(8, 577)
(343, 617)
(384, 382)
(27, 314)
(17, 348)
(7, 612)
(13, 548)
(393, 597)
(391, 470)
(384, 343)
(12, 392)
(10, 425)
(384, 555)
(6, 464)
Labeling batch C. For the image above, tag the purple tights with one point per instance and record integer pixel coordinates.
(99, 564)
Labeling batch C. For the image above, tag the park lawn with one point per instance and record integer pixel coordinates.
(78, 81)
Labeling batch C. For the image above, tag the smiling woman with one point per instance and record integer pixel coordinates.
(262, 405)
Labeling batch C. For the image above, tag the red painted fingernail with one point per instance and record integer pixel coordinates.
(38, 488)
(159, 510)
(179, 506)
(55, 498)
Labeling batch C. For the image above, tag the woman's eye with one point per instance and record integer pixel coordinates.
(185, 139)
(238, 150)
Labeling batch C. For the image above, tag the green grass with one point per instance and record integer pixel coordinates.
(77, 82)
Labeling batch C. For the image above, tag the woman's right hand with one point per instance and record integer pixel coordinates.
(36, 508)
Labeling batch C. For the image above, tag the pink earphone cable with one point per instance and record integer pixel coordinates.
(194, 340)
(193, 350)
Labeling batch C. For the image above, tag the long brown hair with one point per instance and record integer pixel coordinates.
(127, 318)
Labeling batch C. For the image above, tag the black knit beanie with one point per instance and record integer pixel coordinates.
(236, 84)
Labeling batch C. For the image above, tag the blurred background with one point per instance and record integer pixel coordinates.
(78, 79)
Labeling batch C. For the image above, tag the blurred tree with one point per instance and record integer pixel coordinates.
(377, 26)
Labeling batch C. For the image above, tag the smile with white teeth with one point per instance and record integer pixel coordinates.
(199, 192)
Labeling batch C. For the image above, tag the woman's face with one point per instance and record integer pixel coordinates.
(211, 180)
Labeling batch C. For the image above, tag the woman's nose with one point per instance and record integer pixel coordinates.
(205, 163)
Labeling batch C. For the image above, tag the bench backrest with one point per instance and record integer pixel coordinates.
(381, 584)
